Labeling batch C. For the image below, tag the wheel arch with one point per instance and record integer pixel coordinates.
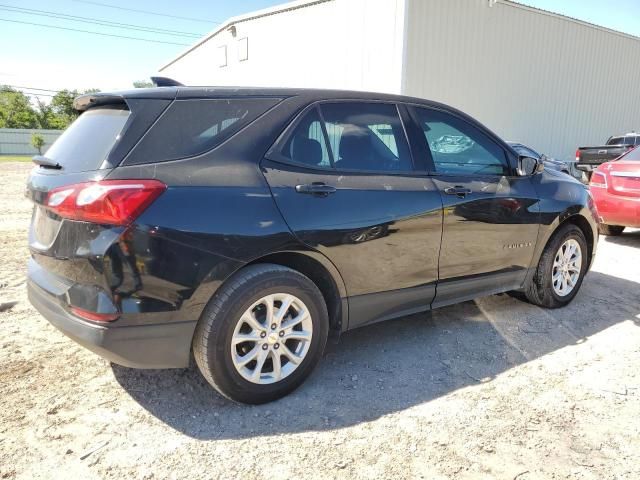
(583, 224)
(570, 217)
(325, 276)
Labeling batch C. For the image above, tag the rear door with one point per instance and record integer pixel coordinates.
(491, 216)
(343, 178)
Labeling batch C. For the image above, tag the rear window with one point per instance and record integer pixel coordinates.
(193, 127)
(632, 156)
(86, 144)
(623, 141)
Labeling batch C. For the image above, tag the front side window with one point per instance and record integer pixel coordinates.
(366, 137)
(458, 148)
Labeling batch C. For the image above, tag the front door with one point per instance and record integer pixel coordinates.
(491, 216)
(343, 179)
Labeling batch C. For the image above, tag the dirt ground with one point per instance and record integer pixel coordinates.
(493, 388)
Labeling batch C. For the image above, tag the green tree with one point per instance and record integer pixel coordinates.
(44, 114)
(16, 110)
(37, 141)
(142, 84)
(62, 108)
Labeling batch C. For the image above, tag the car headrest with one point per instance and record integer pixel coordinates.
(306, 150)
(355, 147)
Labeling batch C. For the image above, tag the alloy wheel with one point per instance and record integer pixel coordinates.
(271, 338)
(567, 266)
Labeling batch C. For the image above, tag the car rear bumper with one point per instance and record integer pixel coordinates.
(166, 345)
(616, 209)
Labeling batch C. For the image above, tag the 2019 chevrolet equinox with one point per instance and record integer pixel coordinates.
(244, 225)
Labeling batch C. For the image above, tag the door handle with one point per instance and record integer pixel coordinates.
(458, 190)
(317, 188)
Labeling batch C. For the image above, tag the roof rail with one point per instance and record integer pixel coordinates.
(165, 82)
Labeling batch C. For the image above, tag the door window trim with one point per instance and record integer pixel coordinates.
(275, 152)
(411, 108)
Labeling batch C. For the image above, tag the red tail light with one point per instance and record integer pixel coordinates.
(578, 155)
(599, 180)
(108, 202)
(93, 316)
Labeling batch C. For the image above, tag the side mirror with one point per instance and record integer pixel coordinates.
(529, 166)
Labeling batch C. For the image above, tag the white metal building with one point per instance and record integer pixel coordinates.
(549, 81)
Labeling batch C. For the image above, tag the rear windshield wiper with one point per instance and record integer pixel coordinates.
(45, 162)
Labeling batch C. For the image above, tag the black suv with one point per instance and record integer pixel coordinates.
(248, 225)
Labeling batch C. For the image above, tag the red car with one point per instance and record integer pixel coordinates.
(615, 187)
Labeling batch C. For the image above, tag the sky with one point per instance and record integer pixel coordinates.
(36, 56)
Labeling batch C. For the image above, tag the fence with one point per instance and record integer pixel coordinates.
(17, 141)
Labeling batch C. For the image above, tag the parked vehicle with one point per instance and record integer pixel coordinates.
(615, 187)
(589, 158)
(566, 167)
(247, 225)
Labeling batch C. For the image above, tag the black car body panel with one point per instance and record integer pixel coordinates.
(379, 245)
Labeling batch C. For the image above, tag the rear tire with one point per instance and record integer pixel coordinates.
(250, 349)
(610, 230)
(561, 269)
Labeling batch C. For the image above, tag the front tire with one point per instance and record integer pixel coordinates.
(610, 230)
(561, 269)
(261, 334)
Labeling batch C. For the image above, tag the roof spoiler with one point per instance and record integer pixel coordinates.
(165, 82)
(83, 102)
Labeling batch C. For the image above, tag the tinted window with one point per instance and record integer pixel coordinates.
(192, 127)
(366, 136)
(88, 141)
(306, 145)
(616, 141)
(458, 147)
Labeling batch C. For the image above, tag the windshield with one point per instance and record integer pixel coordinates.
(87, 142)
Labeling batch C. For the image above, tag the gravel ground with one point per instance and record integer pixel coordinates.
(493, 388)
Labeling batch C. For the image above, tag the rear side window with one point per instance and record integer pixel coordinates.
(193, 127)
(86, 144)
(366, 136)
(306, 144)
(360, 136)
(616, 141)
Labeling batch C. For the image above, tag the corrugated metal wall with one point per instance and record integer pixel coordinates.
(533, 77)
(539, 78)
(14, 141)
(345, 44)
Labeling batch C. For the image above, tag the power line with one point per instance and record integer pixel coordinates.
(38, 94)
(93, 33)
(147, 12)
(30, 88)
(97, 21)
(35, 94)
